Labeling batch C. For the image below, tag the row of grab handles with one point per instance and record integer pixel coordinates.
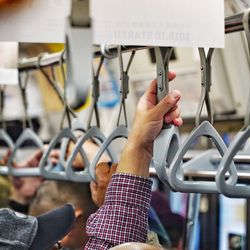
(168, 153)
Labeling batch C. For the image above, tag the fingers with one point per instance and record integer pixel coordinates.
(166, 104)
(177, 122)
(173, 114)
(93, 187)
(171, 75)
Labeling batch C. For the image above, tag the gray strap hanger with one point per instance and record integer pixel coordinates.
(93, 133)
(121, 131)
(95, 94)
(79, 41)
(46, 166)
(65, 135)
(4, 170)
(167, 143)
(54, 84)
(206, 129)
(228, 189)
(3, 134)
(74, 125)
(27, 135)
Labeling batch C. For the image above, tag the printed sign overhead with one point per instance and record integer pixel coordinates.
(8, 63)
(177, 23)
(160, 22)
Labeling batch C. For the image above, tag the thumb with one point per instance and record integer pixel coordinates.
(167, 103)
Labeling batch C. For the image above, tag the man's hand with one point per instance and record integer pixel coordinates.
(147, 125)
(103, 173)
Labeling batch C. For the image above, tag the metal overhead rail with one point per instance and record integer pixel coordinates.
(109, 51)
(232, 24)
(241, 158)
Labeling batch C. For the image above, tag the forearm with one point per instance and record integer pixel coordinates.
(135, 158)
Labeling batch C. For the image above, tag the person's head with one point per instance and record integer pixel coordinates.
(23, 232)
(24, 188)
(135, 246)
(52, 194)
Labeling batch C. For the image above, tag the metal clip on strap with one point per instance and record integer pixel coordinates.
(167, 143)
(236, 191)
(79, 53)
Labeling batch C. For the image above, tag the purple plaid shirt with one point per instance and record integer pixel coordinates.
(124, 215)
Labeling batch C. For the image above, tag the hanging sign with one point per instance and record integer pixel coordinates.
(189, 23)
(40, 21)
(8, 63)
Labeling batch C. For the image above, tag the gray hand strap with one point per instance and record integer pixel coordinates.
(3, 134)
(46, 166)
(27, 135)
(229, 189)
(76, 125)
(95, 95)
(206, 129)
(234, 191)
(167, 142)
(119, 132)
(176, 168)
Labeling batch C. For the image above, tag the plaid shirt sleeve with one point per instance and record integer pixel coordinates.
(124, 215)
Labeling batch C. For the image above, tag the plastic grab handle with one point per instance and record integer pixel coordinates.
(92, 133)
(165, 147)
(46, 166)
(120, 132)
(178, 183)
(226, 188)
(27, 135)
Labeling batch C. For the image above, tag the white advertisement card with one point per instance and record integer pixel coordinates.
(40, 21)
(180, 23)
(8, 63)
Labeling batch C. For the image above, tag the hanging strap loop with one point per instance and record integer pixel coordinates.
(95, 94)
(206, 82)
(124, 77)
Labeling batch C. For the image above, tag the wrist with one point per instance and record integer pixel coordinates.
(135, 159)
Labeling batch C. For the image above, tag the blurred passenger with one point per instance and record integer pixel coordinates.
(53, 194)
(172, 222)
